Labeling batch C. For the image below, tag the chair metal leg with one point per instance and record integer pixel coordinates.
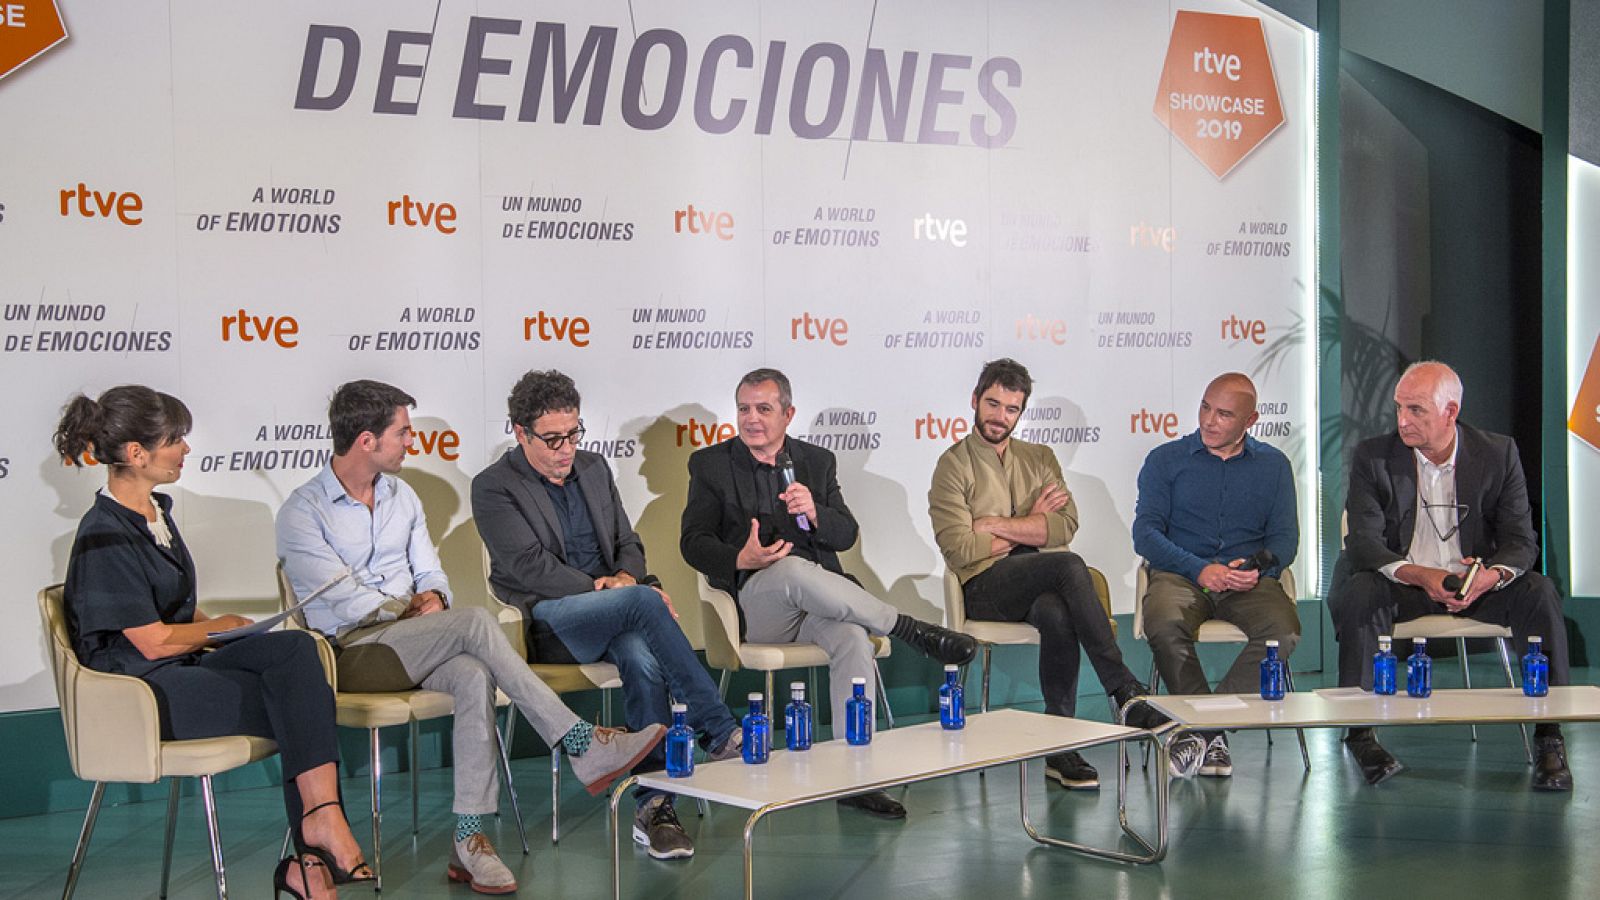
(555, 793)
(1305, 755)
(82, 849)
(605, 706)
(701, 804)
(811, 675)
(984, 702)
(1154, 684)
(722, 683)
(768, 694)
(416, 733)
(213, 831)
(172, 827)
(511, 789)
(1466, 677)
(883, 696)
(1511, 681)
(376, 780)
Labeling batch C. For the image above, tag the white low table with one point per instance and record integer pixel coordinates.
(834, 769)
(1355, 708)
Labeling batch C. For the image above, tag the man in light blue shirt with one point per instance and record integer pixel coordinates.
(394, 628)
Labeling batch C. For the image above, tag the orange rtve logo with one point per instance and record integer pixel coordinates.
(1218, 95)
(27, 29)
(243, 326)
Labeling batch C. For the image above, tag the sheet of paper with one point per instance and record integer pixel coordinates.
(1212, 704)
(1343, 693)
(271, 622)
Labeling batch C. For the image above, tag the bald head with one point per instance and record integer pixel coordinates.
(1227, 411)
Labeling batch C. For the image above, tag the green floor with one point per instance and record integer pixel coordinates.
(1460, 822)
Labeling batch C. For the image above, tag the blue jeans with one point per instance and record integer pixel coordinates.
(631, 629)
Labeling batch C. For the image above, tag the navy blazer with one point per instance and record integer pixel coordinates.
(1382, 507)
(522, 529)
(723, 500)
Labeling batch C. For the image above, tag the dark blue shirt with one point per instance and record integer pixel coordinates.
(1196, 508)
(577, 529)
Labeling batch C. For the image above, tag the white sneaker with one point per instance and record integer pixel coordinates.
(1185, 755)
(475, 863)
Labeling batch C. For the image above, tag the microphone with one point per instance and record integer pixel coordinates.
(1263, 559)
(1460, 584)
(786, 471)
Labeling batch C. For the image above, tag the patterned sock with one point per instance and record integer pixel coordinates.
(467, 826)
(576, 741)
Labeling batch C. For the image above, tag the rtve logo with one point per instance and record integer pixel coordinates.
(1237, 329)
(932, 428)
(928, 227)
(440, 442)
(812, 328)
(1146, 422)
(1161, 237)
(704, 434)
(125, 205)
(417, 214)
(1030, 328)
(242, 326)
(545, 328)
(703, 221)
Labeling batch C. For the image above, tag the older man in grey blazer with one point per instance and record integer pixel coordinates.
(562, 548)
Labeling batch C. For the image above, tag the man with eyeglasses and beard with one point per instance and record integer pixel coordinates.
(561, 547)
(1433, 502)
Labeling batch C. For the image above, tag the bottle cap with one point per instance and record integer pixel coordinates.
(1421, 642)
(952, 667)
(1385, 639)
(1270, 643)
(861, 681)
(680, 707)
(797, 685)
(754, 696)
(1535, 639)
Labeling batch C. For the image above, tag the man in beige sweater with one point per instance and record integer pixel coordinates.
(996, 502)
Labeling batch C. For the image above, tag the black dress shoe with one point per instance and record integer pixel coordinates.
(1377, 764)
(941, 644)
(1142, 716)
(877, 803)
(1550, 772)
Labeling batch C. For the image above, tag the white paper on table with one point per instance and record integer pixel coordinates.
(1342, 693)
(1211, 704)
(271, 622)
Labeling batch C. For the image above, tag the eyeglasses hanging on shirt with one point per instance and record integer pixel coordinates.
(1445, 518)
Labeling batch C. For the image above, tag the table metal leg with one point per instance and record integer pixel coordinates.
(617, 793)
(1153, 852)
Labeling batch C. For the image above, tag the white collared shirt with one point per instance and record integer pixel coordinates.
(1438, 514)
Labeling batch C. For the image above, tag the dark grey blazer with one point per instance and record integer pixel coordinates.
(520, 526)
(1382, 507)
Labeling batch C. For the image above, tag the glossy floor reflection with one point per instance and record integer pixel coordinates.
(1460, 822)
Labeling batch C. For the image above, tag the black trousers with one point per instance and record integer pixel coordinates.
(1366, 604)
(267, 685)
(1053, 593)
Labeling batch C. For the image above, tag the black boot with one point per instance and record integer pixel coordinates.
(937, 643)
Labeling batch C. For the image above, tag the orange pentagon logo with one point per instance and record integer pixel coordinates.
(27, 29)
(1585, 419)
(1218, 95)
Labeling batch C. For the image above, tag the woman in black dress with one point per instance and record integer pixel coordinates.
(130, 605)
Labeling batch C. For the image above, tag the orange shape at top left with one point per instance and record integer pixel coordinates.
(27, 29)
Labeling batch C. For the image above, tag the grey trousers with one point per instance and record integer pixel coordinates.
(1174, 607)
(797, 600)
(463, 653)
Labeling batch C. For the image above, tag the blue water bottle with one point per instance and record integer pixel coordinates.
(952, 703)
(1536, 669)
(680, 744)
(757, 731)
(1383, 668)
(797, 719)
(1419, 669)
(1272, 677)
(858, 714)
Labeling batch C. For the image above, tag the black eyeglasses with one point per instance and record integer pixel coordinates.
(1460, 510)
(555, 441)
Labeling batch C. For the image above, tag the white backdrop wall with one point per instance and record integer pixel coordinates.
(312, 193)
